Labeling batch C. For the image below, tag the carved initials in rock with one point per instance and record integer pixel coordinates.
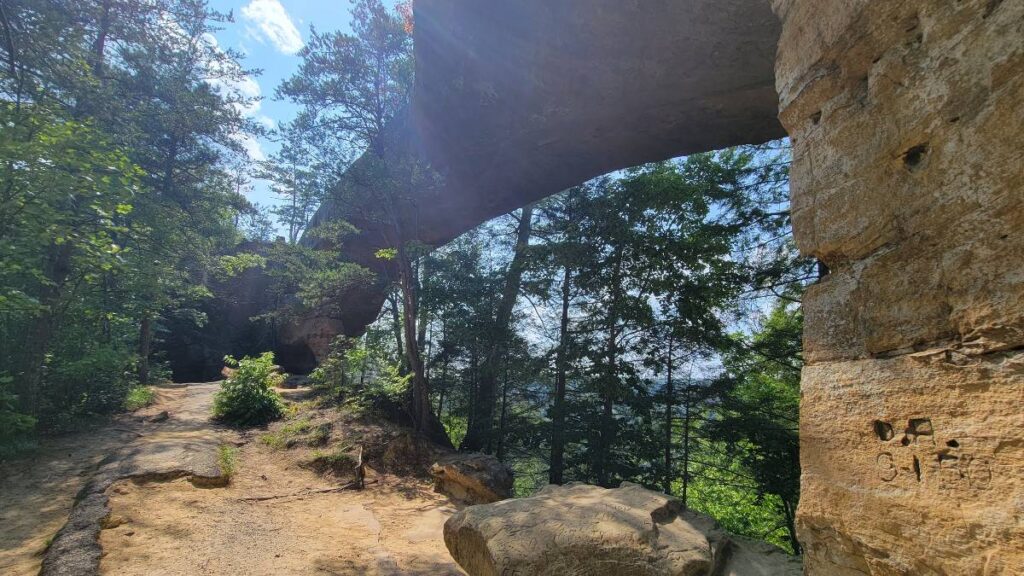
(948, 466)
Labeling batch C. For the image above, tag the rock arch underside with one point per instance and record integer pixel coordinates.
(907, 125)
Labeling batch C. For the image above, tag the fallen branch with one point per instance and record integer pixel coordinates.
(350, 486)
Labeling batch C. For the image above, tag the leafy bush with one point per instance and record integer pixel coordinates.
(15, 428)
(139, 397)
(93, 380)
(248, 398)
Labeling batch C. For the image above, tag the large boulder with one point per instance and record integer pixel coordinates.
(472, 478)
(581, 529)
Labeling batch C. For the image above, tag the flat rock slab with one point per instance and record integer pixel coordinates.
(580, 529)
(184, 445)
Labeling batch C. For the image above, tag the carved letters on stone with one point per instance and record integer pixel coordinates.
(914, 458)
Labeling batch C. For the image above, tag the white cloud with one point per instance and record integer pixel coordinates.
(248, 88)
(252, 146)
(274, 24)
(268, 122)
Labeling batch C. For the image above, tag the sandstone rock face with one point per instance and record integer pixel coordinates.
(907, 121)
(586, 530)
(472, 478)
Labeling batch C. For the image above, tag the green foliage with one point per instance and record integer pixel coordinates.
(139, 397)
(233, 265)
(386, 254)
(15, 428)
(757, 418)
(720, 491)
(118, 192)
(456, 426)
(339, 461)
(248, 398)
(298, 432)
(227, 460)
(362, 377)
(85, 379)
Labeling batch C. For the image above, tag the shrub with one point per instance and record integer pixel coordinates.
(139, 397)
(247, 398)
(15, 428)
(82, 383)
(363, 379)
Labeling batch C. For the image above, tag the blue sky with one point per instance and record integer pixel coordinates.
(269, 33)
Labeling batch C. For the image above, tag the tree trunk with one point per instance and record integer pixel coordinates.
(557, 465)
(479, 437)
(609, 386)
(425, 421)
(686, 442)
(423, 315)
(669, 396)
(40, 331)
(145, 343)
(396, 325)
(444, 372)
(500, 452)
(787, 509)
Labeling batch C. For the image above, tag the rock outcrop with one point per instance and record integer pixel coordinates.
(472, 478)
(582, 529)
(515, 101)
(907, 122)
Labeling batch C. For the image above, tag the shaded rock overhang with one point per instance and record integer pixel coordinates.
(518, 100)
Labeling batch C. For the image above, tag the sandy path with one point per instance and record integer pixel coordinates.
(37, 491)
(394, 526)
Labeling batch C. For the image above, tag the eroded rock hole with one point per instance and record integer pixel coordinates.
(883, 430)
(914, 157)
(953, 444)
(920, 426)
(816, 117)
(917, 468)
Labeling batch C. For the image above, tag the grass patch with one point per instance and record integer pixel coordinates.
(340, 461)
(227, 459)
(298, 432)
(139, 397)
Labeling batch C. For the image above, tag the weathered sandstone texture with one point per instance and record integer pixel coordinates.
(472, 478)
(587, 530)
(907, 121)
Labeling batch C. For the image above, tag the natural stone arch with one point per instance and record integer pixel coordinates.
(907, 120)
(516, 101)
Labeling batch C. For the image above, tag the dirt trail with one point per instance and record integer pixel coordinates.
(37, 492)
(394, 526)
(275, 517)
